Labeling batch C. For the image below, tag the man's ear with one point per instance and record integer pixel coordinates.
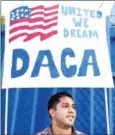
(52, 113)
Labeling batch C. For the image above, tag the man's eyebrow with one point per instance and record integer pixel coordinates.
(64, 103)
(68, 103)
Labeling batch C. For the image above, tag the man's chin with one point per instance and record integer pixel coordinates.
(69, 124)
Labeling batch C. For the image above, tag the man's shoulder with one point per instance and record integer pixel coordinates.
(47, 131)
(44, 132)
(79, 133)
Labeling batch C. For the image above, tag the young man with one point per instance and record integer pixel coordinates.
(61, 108)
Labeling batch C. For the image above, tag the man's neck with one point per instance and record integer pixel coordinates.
(61, 131)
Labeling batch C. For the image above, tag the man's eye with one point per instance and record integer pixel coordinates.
(65, 106)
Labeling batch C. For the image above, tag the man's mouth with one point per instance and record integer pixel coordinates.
(71, 118)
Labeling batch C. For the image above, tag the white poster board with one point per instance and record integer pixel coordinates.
(56, 44)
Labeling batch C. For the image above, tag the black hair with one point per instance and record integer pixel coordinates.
(54, 100)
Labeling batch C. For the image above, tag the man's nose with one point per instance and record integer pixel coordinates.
(71, 110)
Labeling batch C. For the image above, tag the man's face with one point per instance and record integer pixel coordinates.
(65, 112)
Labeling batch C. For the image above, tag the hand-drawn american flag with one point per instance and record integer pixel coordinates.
(33, 22)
